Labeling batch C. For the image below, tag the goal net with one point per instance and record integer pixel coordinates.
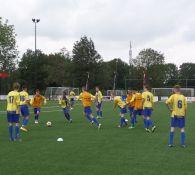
(164, 93)
(54, 93)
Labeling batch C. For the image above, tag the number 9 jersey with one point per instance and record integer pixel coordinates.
(13, 101)
(178, 104)
(148, 99)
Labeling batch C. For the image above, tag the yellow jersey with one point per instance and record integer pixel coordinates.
(137, 99)
(178, 104)
(86, 99)
(72, 94)
(128, 100)
(24, 97)
(99, 96)
(148, 99)
(63, 103)
(13, 101)
(118, 102)
(37, 101)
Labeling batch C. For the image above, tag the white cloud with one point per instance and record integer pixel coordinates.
(167, 26)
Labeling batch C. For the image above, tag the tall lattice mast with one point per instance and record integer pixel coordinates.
(130, 55)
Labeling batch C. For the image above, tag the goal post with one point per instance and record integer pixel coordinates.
(54, 93)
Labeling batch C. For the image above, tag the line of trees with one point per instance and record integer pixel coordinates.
(40, 70)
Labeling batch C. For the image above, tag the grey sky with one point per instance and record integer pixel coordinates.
(165, 25)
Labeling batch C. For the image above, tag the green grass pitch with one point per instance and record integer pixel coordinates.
(87, 151)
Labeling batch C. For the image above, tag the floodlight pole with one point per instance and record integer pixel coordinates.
(115, 75)
(35, 21)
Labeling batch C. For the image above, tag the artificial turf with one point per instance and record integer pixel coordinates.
(87, 151)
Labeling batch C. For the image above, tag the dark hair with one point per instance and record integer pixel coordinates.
(24, 87)
(147, 87)
(177, 87)
(16, 86)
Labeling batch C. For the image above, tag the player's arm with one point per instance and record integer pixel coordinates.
(44, 100)
(133, 99)
(60, 101)
(18, 100)
(115, 104)
(169, 103)
(93, 97)
(185, 107)
(27, 100)
(152, 101)
(79, 97)
(143, 99)
(101, 96)
(32, 101)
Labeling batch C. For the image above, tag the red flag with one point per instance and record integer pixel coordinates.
(4, 75)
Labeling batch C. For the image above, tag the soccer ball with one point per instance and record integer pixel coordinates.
(48, 124)
(126, 120)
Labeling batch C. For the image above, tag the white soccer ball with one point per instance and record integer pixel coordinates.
(48, 124)
(60, 140)
(126, 120)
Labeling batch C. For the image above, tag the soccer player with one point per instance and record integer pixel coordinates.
(86, 99)
(129, 104)
(122, 106)
(24, 109)
(99, 98)
(37, 101)
(13, 102)
(148, 103)
(178, 106)
(65, 104)
(72, 99)
(138, 108)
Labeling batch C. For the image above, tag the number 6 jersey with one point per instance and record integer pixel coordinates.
(178, 104)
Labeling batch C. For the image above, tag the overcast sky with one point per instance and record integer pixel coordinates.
(165, 25)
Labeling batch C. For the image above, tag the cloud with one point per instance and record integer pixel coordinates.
(167, 26)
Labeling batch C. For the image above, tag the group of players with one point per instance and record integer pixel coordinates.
(137, 103)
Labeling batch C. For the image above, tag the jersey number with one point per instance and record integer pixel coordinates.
(179, 104)
(148, 98)
(11, 99)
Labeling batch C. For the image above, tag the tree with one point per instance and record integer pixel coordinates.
(187, 72)
(8, 51)
(33, 69)
(152, 62)
(85, 59)
(171, 74)
(59, 69)
(149, 57)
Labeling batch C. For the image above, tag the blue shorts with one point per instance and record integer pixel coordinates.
(131, 109)
(37, 110)
(24, 110)
(123, 110)
(99, 105)
(178, 122)
(138, 112)
(87, 110)
(147, 112)
(65, 110)
(12, 117)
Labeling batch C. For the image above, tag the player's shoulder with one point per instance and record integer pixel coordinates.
(9, 93)
(14, 93)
